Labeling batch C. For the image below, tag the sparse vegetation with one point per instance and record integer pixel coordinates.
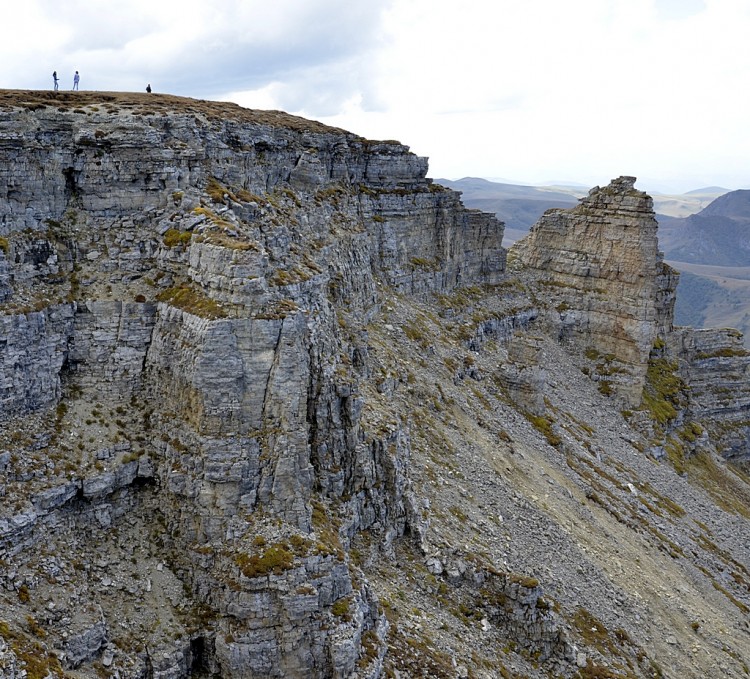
(217, 191)
(663, 392)
(724, 352)
(173, 237)
(340, 608)
(193, 301)
(544, 425)
(425, 263)
(728, 486)
(276, 559)
(23, 594)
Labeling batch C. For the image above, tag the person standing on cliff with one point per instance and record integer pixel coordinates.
(148, 88)
(54, 79)
(76, 79)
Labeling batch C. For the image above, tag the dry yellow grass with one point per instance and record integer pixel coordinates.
(143, 103)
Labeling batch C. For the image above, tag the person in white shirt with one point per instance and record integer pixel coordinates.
(54, 79)
(76, 78)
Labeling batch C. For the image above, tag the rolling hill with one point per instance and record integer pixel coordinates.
(718, 235)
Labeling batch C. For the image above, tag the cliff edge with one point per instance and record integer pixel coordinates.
(274, 405)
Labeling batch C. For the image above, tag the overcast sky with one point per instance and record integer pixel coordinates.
(530, 91)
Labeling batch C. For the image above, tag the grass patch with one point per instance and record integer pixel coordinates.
(731, 598)
(276, 559)
(663, 391)
(341, 608)
(726, 352)
(283, 277)
(193, 301)
(592, 630)
(461, 298)
(458, 513)
(278, 310)
(690, 432)
(524, 580)
(222, 239)
(174, 237)
(37, 662)
(216, 191)
(676, 454)
(213, 217)
(424, 263)
(730, 488)
(543, 425)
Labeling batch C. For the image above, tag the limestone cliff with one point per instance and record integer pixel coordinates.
(607, 291)
(601, 262)
(273, 406)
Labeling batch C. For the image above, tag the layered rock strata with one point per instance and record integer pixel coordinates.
(599, 266)
(716, 366)
(272, 406)
(606, 290)
(175, 293)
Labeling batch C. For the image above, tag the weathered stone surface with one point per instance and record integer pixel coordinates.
(716, 366)
(255, 371)
(523, 376)
(84, 646)
(34, 350)
(56, 496)
(109, 344)
(600, 268)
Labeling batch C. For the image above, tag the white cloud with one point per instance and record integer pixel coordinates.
(587, 89)
(526, 89)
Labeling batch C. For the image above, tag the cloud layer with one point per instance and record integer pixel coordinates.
(532, 90)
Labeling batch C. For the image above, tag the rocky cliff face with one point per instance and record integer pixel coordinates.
(608, 292)
(273, 406)
(601, 263)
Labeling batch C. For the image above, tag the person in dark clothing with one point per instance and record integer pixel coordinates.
(54, 79)
(148, 88)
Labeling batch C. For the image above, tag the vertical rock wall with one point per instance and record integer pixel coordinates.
(200, 279)
(716, 366)
(599, 266)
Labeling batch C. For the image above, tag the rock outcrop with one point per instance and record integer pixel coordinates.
(272, 406)
(601, 265)
(608, 292)
(715, 366)
(191, 274)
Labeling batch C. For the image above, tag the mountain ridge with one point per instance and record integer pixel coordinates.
(274, 403)
(716, 235)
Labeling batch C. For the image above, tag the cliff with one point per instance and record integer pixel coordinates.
(273, 406)
(601, 264)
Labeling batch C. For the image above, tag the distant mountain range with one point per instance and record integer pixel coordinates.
(711, 249)
(516, 205)
(719, 234)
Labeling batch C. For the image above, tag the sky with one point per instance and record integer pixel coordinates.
(525, 91)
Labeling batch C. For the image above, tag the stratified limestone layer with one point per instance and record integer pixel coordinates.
(174, 280)
(272, 407)
(599, 266)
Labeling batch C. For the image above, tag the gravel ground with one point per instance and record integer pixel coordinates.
(606, 529)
